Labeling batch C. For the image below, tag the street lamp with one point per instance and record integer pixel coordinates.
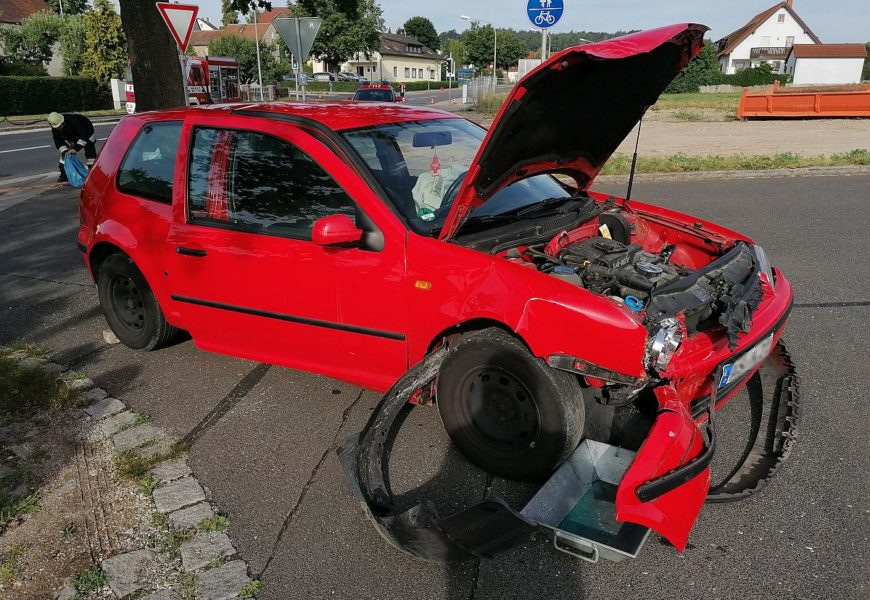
(494, 44)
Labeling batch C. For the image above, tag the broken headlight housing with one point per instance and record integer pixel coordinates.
(663, 344)
(764, 267)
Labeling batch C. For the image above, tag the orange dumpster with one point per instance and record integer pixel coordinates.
(806, 102)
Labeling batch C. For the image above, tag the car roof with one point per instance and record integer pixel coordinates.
(334, 115)
(375, 86)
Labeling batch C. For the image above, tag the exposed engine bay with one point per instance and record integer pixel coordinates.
(607, 262)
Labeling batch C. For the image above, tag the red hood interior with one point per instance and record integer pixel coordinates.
(572, 112)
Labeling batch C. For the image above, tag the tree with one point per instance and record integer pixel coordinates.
(479, 44)
(865, 76)
(70, 7)
(510, 48)
(229, 15)
(349, 26)
(72, 44)
(456, 49)
(105, 53)
(423, 29)
(702, 70)
(245, 51)
(32, 43)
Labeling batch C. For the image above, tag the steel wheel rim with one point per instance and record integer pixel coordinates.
(127, 303)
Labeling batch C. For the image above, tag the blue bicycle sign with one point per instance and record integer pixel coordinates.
(545, 13)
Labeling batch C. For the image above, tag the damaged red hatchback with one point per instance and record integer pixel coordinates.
(561, 333)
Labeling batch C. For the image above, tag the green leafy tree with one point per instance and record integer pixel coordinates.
(456, 49)
(479, 42)
(72, 44)
(70, 7)
(510, 48)
(228, 14)
(866, 75)
(349, 26)
(105, 53)
(702, 70)
(32, 43)
(245, 51)
(423, 29)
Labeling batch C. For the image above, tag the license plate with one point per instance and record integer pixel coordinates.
(747, 361)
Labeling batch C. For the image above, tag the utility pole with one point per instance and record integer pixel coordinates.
(259, 69)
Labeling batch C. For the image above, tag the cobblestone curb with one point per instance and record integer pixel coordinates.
(208, 559)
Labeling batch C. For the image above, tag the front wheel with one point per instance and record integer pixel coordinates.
(129, 305)
(506, 410)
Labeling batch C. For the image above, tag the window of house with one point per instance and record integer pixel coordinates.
(780, 18)
(407, 71)
(257, 183)
(149, 167)
(395, 71)
(789, 41)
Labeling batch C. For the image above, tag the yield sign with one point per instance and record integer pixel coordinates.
(298, 34)
(179, 18)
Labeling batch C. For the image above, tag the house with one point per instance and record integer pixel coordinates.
(826, 63)
(766, 38)
(12, 12)
(203, 24)
(264, 31)
(399, 58)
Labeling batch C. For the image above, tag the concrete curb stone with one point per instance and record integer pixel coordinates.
(134, 437)
(190, 517)
(204, 549)
(177, 494)
(105, 407)
(224, 582)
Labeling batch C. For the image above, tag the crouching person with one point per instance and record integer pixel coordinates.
(72, 134)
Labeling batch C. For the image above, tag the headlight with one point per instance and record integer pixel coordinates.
(664, 344)
(764, 265)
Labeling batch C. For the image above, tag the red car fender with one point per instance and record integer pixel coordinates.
(673, 441)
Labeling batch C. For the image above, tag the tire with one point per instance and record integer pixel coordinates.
(507, 411)
(129, 305)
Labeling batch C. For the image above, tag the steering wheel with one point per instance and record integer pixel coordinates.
(450, 195)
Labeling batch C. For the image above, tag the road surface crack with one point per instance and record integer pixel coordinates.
(309, 483)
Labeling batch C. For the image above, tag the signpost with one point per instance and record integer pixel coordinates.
(180, 19)
(298, 34)
(544, 14)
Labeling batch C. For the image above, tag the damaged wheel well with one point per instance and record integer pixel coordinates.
(470, 326)
(99, 253)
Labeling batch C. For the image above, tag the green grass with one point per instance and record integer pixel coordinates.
(135, 468)
(215, 523)
(170, 543)
(68, 529)
(251, 588)
(725, 101)
(12, 509)
(89, 581)
(140, 419)
(490, 103)
(9, 569)
(26, 391)
(146, 486)
(620, 164)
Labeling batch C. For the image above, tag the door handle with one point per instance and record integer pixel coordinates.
(191, 251)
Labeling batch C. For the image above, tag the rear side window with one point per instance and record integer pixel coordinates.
(258, 183)
(149, 167)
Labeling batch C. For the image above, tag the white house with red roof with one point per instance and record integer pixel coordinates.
(766, 38)
(820, 64)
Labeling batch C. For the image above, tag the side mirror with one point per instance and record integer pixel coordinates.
(334, 230)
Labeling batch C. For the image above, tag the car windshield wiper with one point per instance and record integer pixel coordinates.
(543, 204)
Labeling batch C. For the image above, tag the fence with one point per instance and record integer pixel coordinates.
(476, 89)
(251, 93)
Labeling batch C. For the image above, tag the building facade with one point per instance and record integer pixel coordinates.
(399, 58)
(766, 38)
(826, 63)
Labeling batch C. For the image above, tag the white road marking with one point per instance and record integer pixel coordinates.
(37, 147)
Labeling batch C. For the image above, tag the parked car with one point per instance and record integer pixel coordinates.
(348, 76)
(324, 77)
(375, 92)
(357, 241)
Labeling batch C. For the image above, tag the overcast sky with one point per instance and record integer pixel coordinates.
(832, 20)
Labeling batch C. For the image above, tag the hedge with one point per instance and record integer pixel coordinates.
(40, 95)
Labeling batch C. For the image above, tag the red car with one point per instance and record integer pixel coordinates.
(357, 240)
(375, 92)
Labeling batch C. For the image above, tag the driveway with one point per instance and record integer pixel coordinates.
(262, 438)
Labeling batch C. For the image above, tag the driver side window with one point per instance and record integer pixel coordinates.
(258, 183)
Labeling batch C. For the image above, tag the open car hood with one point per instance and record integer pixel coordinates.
(572, 112)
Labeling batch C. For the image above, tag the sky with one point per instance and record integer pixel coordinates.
(831, 20)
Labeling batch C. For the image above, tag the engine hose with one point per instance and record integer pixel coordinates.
(774, 401)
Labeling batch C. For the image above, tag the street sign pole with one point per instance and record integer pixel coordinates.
(299, 62)
(298, 34)
(545, 14)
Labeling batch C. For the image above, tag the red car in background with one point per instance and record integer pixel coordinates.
(357, 240)
(376, 92)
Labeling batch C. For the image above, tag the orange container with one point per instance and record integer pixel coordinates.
(806, 102)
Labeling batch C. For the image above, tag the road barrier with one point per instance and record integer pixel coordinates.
(806, 102)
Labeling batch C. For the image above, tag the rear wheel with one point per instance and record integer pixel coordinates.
(129, 305)
(507, 411)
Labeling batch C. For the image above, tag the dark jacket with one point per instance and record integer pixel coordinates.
(76, 132)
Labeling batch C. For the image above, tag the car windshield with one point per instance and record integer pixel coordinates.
(374, 95)
(421, 165)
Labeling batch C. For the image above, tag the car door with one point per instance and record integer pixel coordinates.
(245, 277)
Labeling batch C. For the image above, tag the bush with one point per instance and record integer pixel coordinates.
(761, 75)
(351, 86)
(39, 95)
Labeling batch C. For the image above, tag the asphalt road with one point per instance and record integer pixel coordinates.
(266, 456)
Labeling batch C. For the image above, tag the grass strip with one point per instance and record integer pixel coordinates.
(620, 164)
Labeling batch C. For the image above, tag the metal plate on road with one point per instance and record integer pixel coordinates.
(298, 34)
(545, 13)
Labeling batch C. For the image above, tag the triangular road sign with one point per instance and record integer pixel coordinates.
(180, 19)
(298, 34)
